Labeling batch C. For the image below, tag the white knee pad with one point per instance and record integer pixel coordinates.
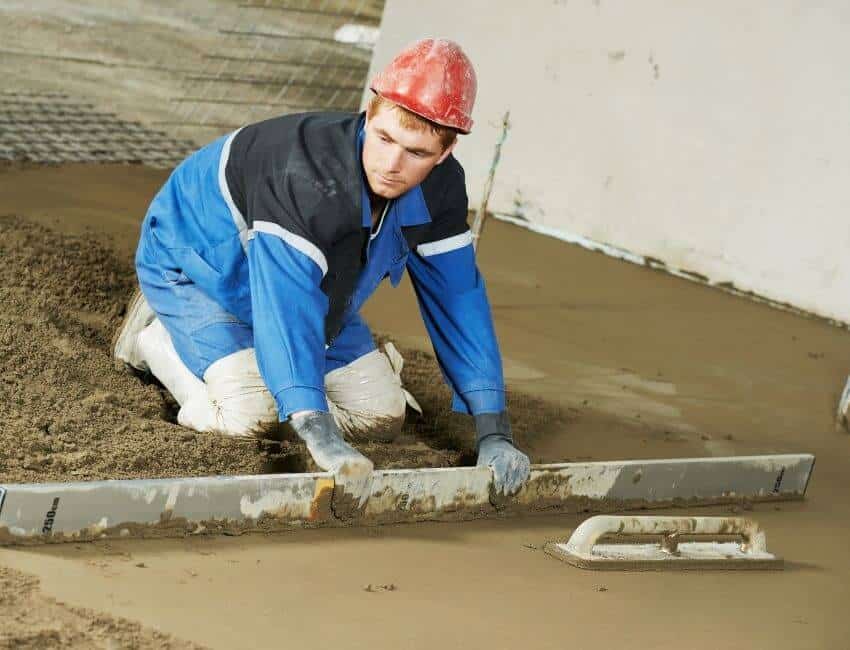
(366, 397)
(157, 352)
(241, 402)
(232, 399)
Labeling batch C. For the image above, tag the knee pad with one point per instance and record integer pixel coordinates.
(157, 352)
(366, 397)
(241, 402)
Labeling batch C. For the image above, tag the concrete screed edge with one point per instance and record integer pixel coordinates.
(57, 512)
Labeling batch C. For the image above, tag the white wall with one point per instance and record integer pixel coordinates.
(712, 135)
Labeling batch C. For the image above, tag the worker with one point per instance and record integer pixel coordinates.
(258, 253)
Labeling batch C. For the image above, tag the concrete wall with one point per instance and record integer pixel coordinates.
(714, 136)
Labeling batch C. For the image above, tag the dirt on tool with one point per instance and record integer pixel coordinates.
(69, 414)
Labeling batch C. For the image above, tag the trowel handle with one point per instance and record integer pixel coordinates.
(589, 532)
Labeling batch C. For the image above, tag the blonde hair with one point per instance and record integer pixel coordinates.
(410, 120)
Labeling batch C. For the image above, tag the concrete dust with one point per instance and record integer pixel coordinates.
(622, 362)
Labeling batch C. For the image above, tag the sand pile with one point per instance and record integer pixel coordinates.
(69, 415)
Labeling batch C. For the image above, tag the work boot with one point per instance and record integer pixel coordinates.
(125, 342)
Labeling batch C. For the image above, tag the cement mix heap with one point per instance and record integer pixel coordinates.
(70, 415)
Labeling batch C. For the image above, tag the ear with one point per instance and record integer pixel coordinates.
(446, 153)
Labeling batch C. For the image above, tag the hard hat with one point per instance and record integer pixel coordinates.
(434, 79)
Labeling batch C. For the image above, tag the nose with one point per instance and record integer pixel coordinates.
(394, 160)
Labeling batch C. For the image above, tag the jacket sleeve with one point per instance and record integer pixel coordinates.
(291, 178)
(453, 301)
(289, 311)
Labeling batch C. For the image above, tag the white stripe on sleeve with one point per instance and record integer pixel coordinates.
(445, 245)
(238, 219)
(296, 241)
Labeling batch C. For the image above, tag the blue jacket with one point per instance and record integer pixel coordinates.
(273, 223)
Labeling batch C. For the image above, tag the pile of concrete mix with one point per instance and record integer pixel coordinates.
(68, 414)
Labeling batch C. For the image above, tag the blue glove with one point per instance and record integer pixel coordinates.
(496, 450)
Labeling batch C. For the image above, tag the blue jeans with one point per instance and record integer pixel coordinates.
(203, 332)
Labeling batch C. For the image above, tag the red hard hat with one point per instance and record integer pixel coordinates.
(432, 78)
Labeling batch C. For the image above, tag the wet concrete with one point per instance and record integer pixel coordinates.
(642, 364)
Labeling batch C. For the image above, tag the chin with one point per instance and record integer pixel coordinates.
(393, 193)
(389, 190)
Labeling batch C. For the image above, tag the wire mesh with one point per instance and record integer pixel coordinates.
(278, 58)
(52, 128)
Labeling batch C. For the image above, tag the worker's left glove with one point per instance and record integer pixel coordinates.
(496, 450)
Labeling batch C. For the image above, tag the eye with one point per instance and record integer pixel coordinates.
(383, 138)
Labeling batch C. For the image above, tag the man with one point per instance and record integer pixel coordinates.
(258, 253)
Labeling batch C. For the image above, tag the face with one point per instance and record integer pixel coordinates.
(396, 158)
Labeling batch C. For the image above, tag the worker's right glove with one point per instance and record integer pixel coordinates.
(496, 450)
(352, 470)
